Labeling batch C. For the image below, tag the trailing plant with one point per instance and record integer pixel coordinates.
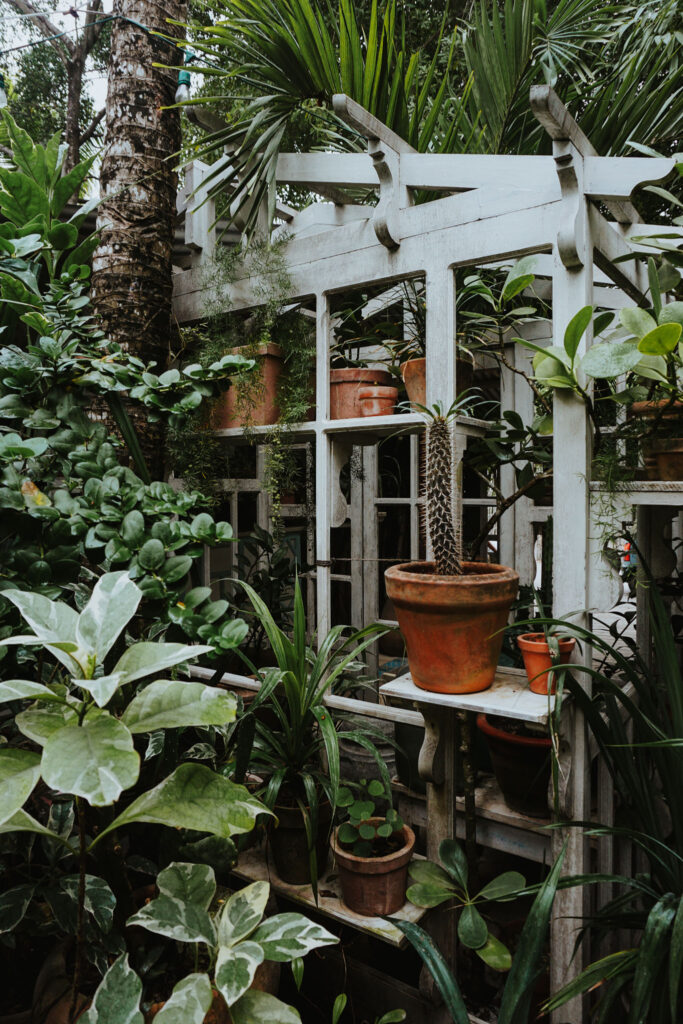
(516, 1003)
(238, 938)
(368, 838)
(447, 883)
(76, 735)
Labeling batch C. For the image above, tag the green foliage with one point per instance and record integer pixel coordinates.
(238, 936)
(368, 838)
(436, 885)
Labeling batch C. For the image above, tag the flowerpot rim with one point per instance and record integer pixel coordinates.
(373, 865)
(353, 374)
(485, 726)
(651, 408)
(269, 348)
(538, 641)
(474, 574)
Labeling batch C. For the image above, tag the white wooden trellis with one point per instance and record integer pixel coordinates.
(492, 209)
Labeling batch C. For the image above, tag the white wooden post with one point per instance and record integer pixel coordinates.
(323, 459)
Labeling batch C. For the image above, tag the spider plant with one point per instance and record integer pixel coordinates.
(297, 748)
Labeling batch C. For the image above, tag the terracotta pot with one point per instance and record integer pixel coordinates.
(414, 373)
(538, 661)
(289, 845)
(452, 625)
(377, 401)
(265, 411)
(521, 765)
(373, 886)
(663, 452)
(345, 385)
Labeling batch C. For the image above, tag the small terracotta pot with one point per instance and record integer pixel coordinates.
(377, 401)
(452, 625)
(664, 453)
(224, 412)
(373, 886)
(521, 765)
(345, 385)
(289, 845)
(538, 660)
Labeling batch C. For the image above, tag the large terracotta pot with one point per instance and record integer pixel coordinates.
(265, 411)
(521, 765)
(345, 385)
(538, 661)
(373, 886)
(289, 846)
(377, 401)
(663, 451)
(452, 625)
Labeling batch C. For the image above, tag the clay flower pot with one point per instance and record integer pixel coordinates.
(265, 411)
(663, 451)
(414, 373)
(538, 659)
(373, 886)
(345, 386)
(452, 625)
(377, 401)
(289, 845)
(521, 765)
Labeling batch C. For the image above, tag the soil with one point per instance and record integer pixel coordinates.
(381, 847)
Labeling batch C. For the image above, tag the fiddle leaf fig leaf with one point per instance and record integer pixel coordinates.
(190, 883)
(51, 621)
(174, 705)
(95, 760)
(113, 603)
(285, 937)
(143, 659)
(38, 723)
(189, 1002)
(235, 969)
(19, 773)
(102, 689)
(472, 930)
(184, 922)
(256, 1007)
(117, 999)
(242, 913)
(194, 797)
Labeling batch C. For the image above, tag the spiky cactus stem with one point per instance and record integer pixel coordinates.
(439, 498)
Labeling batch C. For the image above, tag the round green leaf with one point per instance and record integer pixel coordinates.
(661, 341)
(609, 359)
(637, 321)
(672, 313)
(152, 555)
(347, 833)
(133, 529)
(175, 704)
(95, 760)
(472, 930)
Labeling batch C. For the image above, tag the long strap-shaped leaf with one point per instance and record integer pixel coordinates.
(438, 968)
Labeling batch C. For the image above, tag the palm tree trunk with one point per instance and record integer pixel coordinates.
(132, 271)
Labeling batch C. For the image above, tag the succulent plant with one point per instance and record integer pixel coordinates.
(365, 836)
(439, 495)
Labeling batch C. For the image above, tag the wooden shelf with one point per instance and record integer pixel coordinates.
(254, 866)
(359, 430)
(645, 492)
(509, 696)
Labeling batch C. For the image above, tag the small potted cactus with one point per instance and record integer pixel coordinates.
(450, 612)
(372, 851)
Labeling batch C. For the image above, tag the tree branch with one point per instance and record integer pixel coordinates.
(93, 27)
(46, 27)
(92, 127)
(502, 509)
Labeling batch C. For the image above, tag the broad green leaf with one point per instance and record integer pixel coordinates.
(288, 936)
(242, 912)
(676, 959)
(23, 822)
(519, 277)
(426, 894)
(184, 922)
(117, 999)
(235, 969)
(143, 659)
(433, 874)
(95, 760)
(24, 689)
(133, 529)
(339, 1007)
(41, 721)
(13, 906)
(661, 341)
(548, 370)
(452, 856)
(576, 328)
(103, 688)
(189, 883)
(652, 367)
(672, 313)
(113, 603)
(189, 1002)
(637, 321)
(503, 887)
(495, 954)
(472, 930)
(195, 797)
(99, 899)
(51, 621)
(609, 359)
(261, 1008)
(176, 704)
(19, 773)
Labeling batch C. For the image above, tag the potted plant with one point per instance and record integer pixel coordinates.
(372, 852)
(520, 757)
(544, 651)
(351, 371)
(291, 746)
(450, 612)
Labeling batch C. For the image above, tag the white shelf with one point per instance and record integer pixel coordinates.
(509, 696)
(253, 866)
(645, 492)
(362, 427)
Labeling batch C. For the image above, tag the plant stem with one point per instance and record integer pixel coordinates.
(508, 503)
(469, 779)
(80, 921)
